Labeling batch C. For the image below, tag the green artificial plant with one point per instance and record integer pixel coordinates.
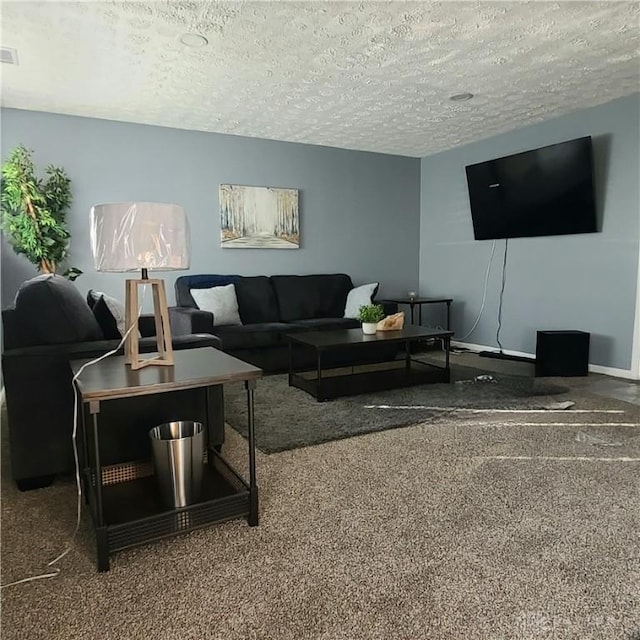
(33, 212)
(371, 313)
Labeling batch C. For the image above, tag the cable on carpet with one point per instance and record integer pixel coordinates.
(55, 571)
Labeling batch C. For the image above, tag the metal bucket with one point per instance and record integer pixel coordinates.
(178, 451)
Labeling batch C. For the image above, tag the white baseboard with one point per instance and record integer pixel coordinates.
(612, 371)
(593, 368)
(480, 347)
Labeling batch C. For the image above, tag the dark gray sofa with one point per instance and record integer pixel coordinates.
(50, 325)
(271, 307)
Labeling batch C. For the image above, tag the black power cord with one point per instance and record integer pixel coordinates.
(504, 280)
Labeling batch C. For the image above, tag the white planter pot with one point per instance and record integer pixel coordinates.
(369, 327)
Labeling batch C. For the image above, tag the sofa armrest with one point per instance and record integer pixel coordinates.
(96, 348)
(40, 431)
(70, 351)
(389, 307)
(147, 325)
(10, 328)
(195, 341)
(182, 320)
(185, 320)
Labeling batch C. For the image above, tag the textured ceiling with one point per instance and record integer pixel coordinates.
(374, 76)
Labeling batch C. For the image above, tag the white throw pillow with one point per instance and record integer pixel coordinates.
(221, 301)
(359, 296)
(115, 306)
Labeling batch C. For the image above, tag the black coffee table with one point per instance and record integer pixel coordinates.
(325, 383)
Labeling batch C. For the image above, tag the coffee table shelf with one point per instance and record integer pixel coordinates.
(336, 384)
(325, 383)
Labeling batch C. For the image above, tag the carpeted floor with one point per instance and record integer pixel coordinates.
(492, 526)
(288, 418)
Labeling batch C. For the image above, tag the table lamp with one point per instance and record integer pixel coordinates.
(142, 236)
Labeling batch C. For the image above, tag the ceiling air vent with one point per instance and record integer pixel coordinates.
(8, 55)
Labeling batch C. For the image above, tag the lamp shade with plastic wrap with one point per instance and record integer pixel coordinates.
(130, 236)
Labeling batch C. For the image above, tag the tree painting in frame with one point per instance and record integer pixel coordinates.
(258, 217)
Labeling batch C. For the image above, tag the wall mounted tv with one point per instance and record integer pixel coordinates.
(542, 192)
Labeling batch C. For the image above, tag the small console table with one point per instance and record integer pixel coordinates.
(125, 504)
(418, 302)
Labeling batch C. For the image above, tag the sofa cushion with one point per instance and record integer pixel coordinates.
(114, 307)
(107, 322)
(249, 336)
(325, 324)
(221, 301)
(184, 285)
(312, 296)
(358, 297)
(256, 300)
(51, 310)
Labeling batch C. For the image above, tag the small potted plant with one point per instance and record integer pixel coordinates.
(370, 315)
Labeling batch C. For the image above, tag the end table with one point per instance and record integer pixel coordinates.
(125, 504)
(418, 302)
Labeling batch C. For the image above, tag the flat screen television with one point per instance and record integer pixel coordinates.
(542, 192)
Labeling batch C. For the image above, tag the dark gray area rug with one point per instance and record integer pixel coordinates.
(288, 418)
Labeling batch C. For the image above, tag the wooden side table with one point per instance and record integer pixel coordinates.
(418, 302)
(125, 503)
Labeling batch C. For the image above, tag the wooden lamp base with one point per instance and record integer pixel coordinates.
(163, 330)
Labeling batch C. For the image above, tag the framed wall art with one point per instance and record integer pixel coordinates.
(258, 217)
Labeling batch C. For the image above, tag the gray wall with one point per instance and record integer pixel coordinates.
(359, 212)
(586, 282)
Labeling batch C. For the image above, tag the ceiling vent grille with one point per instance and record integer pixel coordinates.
(8, 55)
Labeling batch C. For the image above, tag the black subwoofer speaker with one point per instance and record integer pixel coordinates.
(562, 353)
